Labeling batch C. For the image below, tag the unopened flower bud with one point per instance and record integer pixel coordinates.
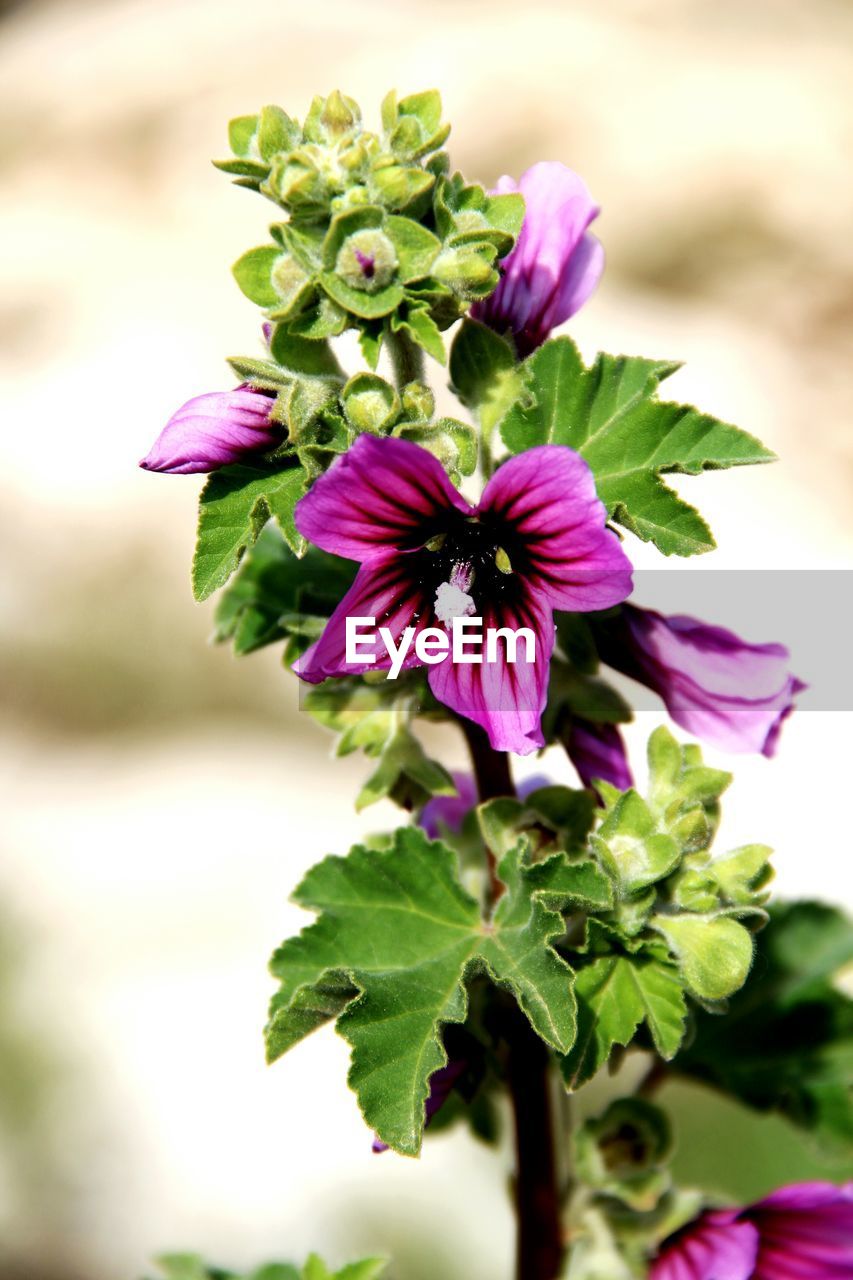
(367, 260)
(213, 430)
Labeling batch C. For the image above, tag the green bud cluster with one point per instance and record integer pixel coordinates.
(378, 237)
(322, 413)
(656, 851)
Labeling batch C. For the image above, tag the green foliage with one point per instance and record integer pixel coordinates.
(276, 595)
(610, 414)
(786, 1042)
(190, 1266)
(484, 373)
(395, 939)
(378, 238)
(234, 507)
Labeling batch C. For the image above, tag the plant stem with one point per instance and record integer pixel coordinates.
(539, 1243)
(407, 359)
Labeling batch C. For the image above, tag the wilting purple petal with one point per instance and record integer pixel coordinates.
(506, 699)
(555, 264)
(214, 430)
(381, 494)
(449, 812)
(381, 590)
(713, 1248)
(732, 694)
(598, 753)
(800, 1232)
(546, 497)
(441, 1084)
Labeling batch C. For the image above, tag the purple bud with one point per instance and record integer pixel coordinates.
(730, 693)
(214, 430)
(555, 263)
(598, 752)
(441, 1084)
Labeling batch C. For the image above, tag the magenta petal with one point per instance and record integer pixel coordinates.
(732, 694)
(506, 699)
(547, 496)
(806, 1232)
(555, 264)
(213, 430)
(598, 753)
(382, 493)
(449, 812)
(381, 590)
(715, 1247)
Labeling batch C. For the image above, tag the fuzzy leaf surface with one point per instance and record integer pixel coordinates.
(610, 414)
(395, 938)
(235, 505)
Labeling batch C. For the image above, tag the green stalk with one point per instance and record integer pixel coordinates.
(407, 359)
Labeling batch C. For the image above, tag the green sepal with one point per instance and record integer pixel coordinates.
(417, 248)
(417, 322)
(483, 372)
(454, 443)
(624, 1153)
(395, 939)
(551, 819)
(609, 414)
(367, 306)
(234, 506)
(632, 847)
(370, 403)
(253, 273)
(413, 125)
(713, 952)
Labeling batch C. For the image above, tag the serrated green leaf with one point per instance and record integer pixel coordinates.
(609, 413)
(235, 505)
(275, 593)
(615, 995)
(398, 925)
(786, 1042)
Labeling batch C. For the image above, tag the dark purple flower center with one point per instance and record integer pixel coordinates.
(469, 552)
(367, 263)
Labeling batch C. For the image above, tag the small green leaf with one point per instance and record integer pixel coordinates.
(422, 329)
(241, 135)
(632, 847)
(609, 413)
(368, 306)
(397, 926)
(235, 505)
(253, 273)
(483, 372)
(616, 994)
(713, 952)
(305, 356)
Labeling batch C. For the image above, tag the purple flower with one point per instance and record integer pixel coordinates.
(800, 1232)
(598, 752)
(555, 264)
(536, 542)
(449, 812)
(212, 430)
(732, 694)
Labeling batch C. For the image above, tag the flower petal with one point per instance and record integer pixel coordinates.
(448, 812)
(381, 494)
(213, 430)
(806, 1232)
(715, 1247)
(554, 265)
(382, 590)
(598, 752)
(547, 496)
(505, 698)
(732, 694)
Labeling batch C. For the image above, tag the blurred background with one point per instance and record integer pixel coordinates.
(159, 798)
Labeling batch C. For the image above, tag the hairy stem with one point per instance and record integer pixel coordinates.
(539, 1245)
(407, 359)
